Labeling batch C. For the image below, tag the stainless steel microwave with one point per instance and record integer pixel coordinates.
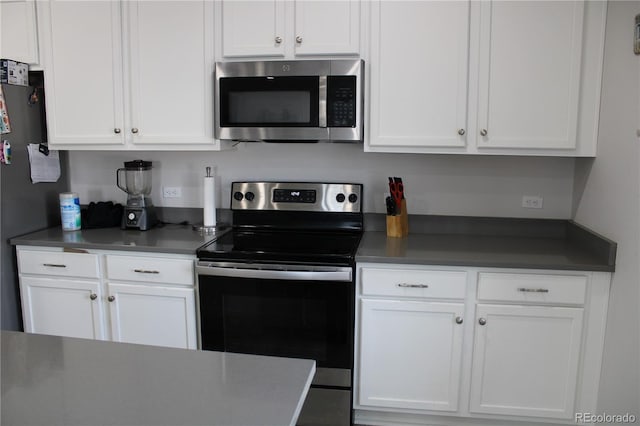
(304, 100)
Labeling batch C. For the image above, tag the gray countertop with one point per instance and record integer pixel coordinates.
(50, 380)
(480, 251)
(489, 242)
(178, 239)
(434, 240)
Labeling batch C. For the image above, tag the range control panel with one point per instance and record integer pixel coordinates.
(298, 196)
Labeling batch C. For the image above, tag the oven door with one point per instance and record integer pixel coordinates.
(279, 310)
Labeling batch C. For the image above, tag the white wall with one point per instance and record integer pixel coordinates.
(607, 197)
(434, 184)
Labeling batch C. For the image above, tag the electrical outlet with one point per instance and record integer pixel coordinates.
(532, 202)
(171, 192)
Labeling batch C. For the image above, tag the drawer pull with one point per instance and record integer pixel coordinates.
(405, 285)
(111, 298)
(533, 290)
(145, 271)
(93, 296)
(54, 265)
(459, 320)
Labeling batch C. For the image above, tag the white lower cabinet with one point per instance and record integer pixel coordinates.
(410, 354)
(134, 298)
(62, 307)
(483, 344)
(162, 316)
(526, 360)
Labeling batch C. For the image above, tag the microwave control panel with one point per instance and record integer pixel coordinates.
(341, 101)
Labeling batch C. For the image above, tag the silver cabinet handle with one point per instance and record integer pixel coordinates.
(116, 130)
(405, 285)
(134, 130)
(299, 39)
(483, 132)
(278, 40)
(54, 265)
(461, 132)
(93, 296)
(145, 271)
(111, 298)
(533, 290)
(459, 320)
(482, 321)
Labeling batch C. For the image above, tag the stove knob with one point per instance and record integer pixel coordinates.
(131, 216)
(340, 198)
(353, 198)
(249, 196)
(238, 196)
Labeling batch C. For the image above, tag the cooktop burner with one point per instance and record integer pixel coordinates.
(283, 246)
(291, 222)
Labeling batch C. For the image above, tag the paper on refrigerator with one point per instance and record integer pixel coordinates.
(44, 168)
(5, 125)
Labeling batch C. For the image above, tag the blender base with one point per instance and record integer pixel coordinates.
(139, 218)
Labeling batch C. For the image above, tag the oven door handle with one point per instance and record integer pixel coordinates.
(336, 274)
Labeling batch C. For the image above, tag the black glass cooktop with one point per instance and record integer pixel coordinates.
(309, 247)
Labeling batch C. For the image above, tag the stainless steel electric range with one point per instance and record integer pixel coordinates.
(281, 283)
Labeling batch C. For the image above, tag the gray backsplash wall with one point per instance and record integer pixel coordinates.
(434, 184)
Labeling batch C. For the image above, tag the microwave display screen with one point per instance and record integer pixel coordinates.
(269, 107)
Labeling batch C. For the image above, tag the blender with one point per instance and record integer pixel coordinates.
(139, 212)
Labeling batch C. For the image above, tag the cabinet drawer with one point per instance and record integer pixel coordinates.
(414, 283)
(569, 289)
(58, 263)
(150, 269)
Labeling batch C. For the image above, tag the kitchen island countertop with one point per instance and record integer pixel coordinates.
(67, 381)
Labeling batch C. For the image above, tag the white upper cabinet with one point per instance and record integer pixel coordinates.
(118, 77)
(253, 28)
(278, 29)
(82, 60)
(418, 72)
(171, 68)
(18, 31)
(327, 27)
(493, 77)
(530, 61)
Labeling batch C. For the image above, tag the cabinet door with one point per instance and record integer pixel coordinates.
(525, 360)
(61, 307)
(327, 27)
(18, 34)
(253, 28)
(171, 76)
(530, 61)
(419, 79)
(153, 315)
(82, 60)
(410, 354)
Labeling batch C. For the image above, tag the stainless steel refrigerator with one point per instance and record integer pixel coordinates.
(25, 207)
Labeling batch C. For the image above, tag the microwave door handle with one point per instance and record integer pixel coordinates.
(322, 98)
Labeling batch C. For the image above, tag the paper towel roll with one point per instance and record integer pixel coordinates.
(209, 212)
